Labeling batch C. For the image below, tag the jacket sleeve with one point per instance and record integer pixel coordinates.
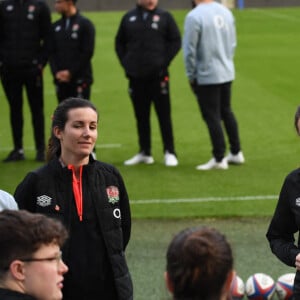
(173, 39)
(45, 29)
(282, 228)
(192, 33)
(25, 193)
(87, 46)
(120, 41)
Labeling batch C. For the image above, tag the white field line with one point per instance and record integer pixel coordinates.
(31, 148)
(208, 199)
(276, 15)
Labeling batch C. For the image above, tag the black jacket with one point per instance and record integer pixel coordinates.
(95, 249)
(12, 295)
(286, 223)
(146, 48)
(72, 47)
(24, 33)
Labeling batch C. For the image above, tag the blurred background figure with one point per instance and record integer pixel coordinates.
(199, 265)
(7, 201)
(24, 38)
(30, 257)
(72, 49)
(147, 41)
(209, 43)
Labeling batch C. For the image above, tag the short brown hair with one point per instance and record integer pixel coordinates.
(23, 233)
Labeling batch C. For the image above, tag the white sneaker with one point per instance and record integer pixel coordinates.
(170, 159)
(237, 159)
(213, 164)
(139, 158)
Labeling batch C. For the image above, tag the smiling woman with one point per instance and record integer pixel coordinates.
(90, 198)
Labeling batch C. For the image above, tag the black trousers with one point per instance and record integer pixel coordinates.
(13, 81)
(143, 93)
(72, 89)
(214, 102)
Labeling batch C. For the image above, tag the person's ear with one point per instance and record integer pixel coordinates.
(17, 269)
(168, 282)
(57, 132)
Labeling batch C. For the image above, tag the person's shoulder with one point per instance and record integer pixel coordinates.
(294, 175)
(7, 201)
(105, 167)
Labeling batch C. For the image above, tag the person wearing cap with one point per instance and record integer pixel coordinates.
(25, 27)
(209, 43)
(7, 201)
(31, 266)
(146, 42)
(72, 49)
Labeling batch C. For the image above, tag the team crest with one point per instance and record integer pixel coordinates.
(31, 8)
(112, 194)
(156, 18)
(297, 202)
(75, 27)
(43, 200)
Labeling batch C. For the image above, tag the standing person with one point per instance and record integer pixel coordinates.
(24, 40)
(146, 42)
(90, 198)
(30, 257)
(208, 45)
(286, 222)
(199, 265)
(72, 48)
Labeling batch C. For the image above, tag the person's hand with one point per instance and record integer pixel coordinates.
(193, 85)
(63, 76)
(297, 263)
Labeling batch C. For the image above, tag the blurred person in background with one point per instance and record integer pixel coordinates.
(199, 265)
(209, 43)
(30, 256)
(72, 49)
(25, 27)
(90, 198)
(147, 41)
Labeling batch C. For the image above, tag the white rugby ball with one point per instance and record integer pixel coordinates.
(237, 288)
(260, 286)
(284, 286)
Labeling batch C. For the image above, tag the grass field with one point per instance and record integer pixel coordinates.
(266, 93)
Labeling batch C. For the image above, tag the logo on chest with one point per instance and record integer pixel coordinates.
(112, 194)
(43, 201)
(297, 202)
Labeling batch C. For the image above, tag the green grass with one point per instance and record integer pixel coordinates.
(265, 96)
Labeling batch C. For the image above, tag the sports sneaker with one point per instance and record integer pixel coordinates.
(236, 159)
(139, 158)
(15, 155)
(213, 164)
(170, 159)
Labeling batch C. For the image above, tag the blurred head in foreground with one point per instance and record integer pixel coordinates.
(199, 265)
(30, 256)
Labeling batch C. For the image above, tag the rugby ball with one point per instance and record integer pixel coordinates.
(237, 288)
(284, 286)
(260, 286)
